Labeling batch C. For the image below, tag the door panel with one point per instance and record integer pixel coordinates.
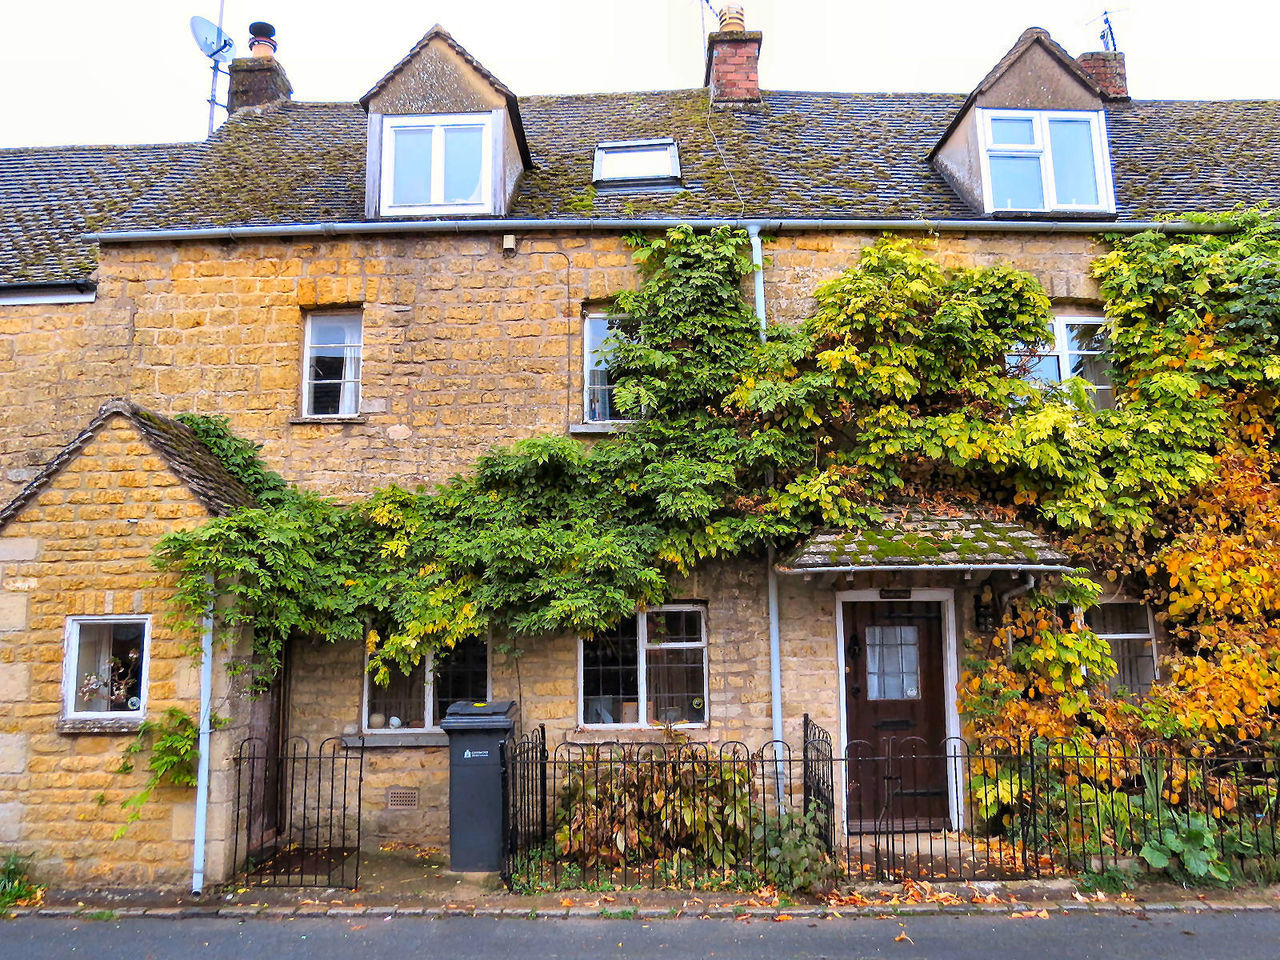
(896, 714)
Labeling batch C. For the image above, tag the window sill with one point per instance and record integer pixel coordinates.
(419, 738)
(597, 427)
(1066, 215)
(337, 420)
(100, 725)
(606, 731)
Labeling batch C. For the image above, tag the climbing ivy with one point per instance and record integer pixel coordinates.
(904, 388)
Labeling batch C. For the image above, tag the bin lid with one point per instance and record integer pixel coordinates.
(479, 715)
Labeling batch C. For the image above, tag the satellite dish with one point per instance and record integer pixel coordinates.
(212, 40)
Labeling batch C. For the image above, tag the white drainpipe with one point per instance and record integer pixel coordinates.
(202, 763)
(775, 638)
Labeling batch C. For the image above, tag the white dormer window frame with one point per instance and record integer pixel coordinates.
(664, 152)
(1039, 147)
(438, 124)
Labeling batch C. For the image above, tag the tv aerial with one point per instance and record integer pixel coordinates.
(215, 44)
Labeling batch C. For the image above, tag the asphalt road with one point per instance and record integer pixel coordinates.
(1204, 936)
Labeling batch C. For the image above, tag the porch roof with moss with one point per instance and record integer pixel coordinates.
(921, 541)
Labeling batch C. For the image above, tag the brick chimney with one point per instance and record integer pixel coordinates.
(1107, 69)
(258, 79)
(733, 57)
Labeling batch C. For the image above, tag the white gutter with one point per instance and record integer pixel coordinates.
(202, 763)
(516, 225)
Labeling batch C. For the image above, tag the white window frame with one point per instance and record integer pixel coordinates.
(588, 367)
(428, 694)
(71, 668)
(670, 175)
(1149, 635)
(1042, 148)
(642, 668)
(437, 122)
(1062, 350)
(308, 383)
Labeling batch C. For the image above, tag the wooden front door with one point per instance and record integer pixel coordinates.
(896, 715)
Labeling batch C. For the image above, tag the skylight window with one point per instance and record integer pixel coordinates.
(437, 163)
(1045, 160)
(637, 163)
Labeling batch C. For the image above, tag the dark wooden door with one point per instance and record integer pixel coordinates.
(896, 715)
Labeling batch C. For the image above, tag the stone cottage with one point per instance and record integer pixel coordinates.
(378, 291)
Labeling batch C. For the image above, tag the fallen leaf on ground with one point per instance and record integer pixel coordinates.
(782, 918)
(903, 936)
(566, 902)
(1027, 914)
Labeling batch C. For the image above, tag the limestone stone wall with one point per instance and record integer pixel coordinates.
(82, 547)
(464, 348)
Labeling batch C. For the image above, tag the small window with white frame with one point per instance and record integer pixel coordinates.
(650, 669)
(1045, 160)
(637, 163)
(105, 668)
(331, 365)
(1079, 348)
(419, 699)
(1130, 630)
(437, 163)
(597, 384)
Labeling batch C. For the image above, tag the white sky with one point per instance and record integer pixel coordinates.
(127, 71)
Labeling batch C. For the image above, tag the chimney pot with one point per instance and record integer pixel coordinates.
(733, 58)
(732, 18)
(1107, 69)
(262, 39)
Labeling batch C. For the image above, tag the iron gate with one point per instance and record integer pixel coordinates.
(298, 813)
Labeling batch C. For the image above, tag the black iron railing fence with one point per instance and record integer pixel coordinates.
(298, 813)
(679, 814)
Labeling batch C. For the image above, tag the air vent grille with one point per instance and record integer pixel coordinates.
(402, 798)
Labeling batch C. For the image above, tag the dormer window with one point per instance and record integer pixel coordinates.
(440, 163)
(1045, 160)
(637, 163)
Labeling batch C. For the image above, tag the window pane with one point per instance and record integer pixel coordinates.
(109, 667)
(462, 674)
(1118, 617)
(462, 159)
(617, 163)
(1091, 337)
(599, 385)
(331, 331)
(675, 685)
(1013, 131)
(1042, 368)
(1016, 183)
(674, 626)
(1135, 663)
(1075, 177)
(402, 703)
(1093, 368)
(893, 663)
(611, 676)
(411, 184)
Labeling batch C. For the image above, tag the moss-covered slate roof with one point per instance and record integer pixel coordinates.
(796, 155)
(190, 460)
(918, 540)
(49, 196)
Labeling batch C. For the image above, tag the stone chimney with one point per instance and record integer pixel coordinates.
(1107, 69)
(258, 79)
(733, 57)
